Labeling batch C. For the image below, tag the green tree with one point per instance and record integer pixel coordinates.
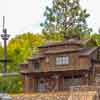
(65, 17)
(10, 84)
(96, 37)
(21, 47)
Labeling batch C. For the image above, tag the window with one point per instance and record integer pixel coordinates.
(61, 60)
(36, 65)
(71, 82)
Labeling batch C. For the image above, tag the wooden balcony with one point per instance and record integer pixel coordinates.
(68, 68)
(56, 68)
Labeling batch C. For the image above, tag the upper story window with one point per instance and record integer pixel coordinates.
(62, 60)
(36, 65)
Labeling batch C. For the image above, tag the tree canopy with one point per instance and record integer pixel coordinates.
(65, 17)
(19, 49)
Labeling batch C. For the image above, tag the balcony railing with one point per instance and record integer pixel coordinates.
(68, 68)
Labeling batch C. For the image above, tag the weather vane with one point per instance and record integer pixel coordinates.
(4, 37)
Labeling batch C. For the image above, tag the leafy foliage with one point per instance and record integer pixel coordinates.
(11, 84)
(18, 49)
(65, 17)
(96, 37)
(21, 47)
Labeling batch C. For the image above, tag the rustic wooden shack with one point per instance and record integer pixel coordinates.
(60, 65)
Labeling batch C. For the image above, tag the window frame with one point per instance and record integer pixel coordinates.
(62, 60)
(36, 65)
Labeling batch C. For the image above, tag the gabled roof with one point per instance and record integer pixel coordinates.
(68, 42)
(24, 64)
(62, 51)
(88, 42)
(36, 56)
(82, 52)
(87, 51)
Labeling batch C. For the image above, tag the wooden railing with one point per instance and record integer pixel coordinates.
(85, 88)
(67, 68)
(84, 93)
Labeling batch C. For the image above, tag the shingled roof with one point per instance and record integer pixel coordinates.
(87, 51)
(36, 56)
(62, 51)
(82, 52)
(58, 43)
(67, 42)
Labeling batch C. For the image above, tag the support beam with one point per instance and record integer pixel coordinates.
(29, 83)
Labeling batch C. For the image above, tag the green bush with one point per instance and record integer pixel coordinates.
(10, 84)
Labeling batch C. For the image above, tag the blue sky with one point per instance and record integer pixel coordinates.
(26, 15)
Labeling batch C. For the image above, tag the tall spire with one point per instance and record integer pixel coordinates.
(4, 37)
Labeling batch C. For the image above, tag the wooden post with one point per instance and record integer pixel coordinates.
(28, 83)
(57, 83)
(61, 83)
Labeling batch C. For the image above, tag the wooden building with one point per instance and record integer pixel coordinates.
(60, 65)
